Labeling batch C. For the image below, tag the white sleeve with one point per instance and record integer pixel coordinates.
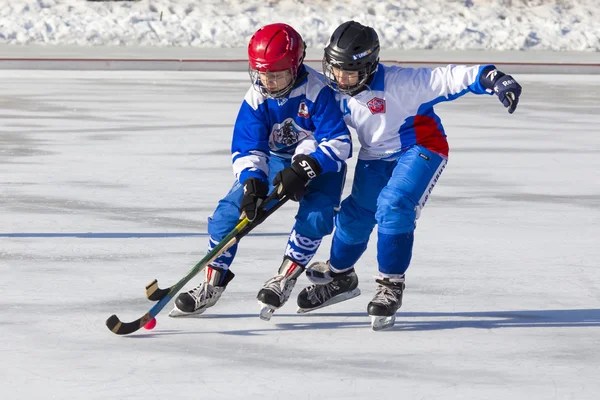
(433, 85)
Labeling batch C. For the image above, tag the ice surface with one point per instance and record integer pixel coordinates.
(502, 298)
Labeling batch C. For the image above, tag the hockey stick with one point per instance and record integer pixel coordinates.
(163, 296)
(154, 293)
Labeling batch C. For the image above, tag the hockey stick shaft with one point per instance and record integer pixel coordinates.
(241, 229)
(154, 293)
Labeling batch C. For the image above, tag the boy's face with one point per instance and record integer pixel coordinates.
(345, 79)
(275, 81)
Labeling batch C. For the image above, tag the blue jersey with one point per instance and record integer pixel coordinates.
(306, 121)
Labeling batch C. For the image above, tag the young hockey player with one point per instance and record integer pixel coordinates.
(289, 131)
(403, 153)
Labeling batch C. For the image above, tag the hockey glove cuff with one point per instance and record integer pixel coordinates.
(292, 180)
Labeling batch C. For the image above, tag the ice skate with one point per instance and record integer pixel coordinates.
(385, 303)
(203, 296)
(277, 290)
(328, 289)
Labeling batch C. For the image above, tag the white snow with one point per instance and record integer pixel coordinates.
(572, 25)
(502, 299)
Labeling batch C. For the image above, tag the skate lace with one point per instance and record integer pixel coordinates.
(275, 285)
(321, 293)
(202, 293)
(385, 295)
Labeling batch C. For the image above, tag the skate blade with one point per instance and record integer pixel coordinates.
(177, 313)
(334, 300)
(266, 311)
(379, 323)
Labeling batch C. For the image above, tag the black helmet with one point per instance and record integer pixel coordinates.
(352, 47)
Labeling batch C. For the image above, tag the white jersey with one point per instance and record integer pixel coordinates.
(396, 111)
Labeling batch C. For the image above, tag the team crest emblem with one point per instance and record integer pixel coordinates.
(376, 105)
(286, 135)
(303, 110)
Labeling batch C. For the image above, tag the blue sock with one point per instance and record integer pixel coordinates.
(394, 252)
(225, 259)
(300, 248)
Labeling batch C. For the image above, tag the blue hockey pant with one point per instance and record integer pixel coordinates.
(390, 194)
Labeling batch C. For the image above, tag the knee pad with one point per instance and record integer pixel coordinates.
(223, 220)
(316, 224)
(315, 219)
(396, 212)
(354, 224)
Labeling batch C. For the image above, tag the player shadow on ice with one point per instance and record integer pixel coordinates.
(414, 321)
(498, 319)
(409, 321)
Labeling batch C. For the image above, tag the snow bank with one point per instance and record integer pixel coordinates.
(562, 25)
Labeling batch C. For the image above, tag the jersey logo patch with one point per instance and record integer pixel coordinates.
(303, 110)
(286, 135)
(376, 105)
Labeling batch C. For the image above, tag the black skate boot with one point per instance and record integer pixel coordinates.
(277, 290)
(203, 296)
(340, 287)
(385, 303)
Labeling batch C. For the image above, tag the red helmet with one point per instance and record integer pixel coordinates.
(273, 48)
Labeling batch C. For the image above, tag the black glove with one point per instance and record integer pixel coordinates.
(255, 192)
(292, 180)
(505, 86)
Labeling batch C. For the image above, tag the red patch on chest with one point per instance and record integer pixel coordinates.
(376, 105)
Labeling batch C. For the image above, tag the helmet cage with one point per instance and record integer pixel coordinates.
(364, 74)
(285, 78)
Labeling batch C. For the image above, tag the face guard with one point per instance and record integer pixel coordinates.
(345, 81)
(274, 84)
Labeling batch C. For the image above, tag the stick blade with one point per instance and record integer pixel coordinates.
(154, 293)
(115, 325)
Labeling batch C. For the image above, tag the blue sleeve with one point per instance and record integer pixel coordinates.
(331, 132)
(476, 87)
(250, 144)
